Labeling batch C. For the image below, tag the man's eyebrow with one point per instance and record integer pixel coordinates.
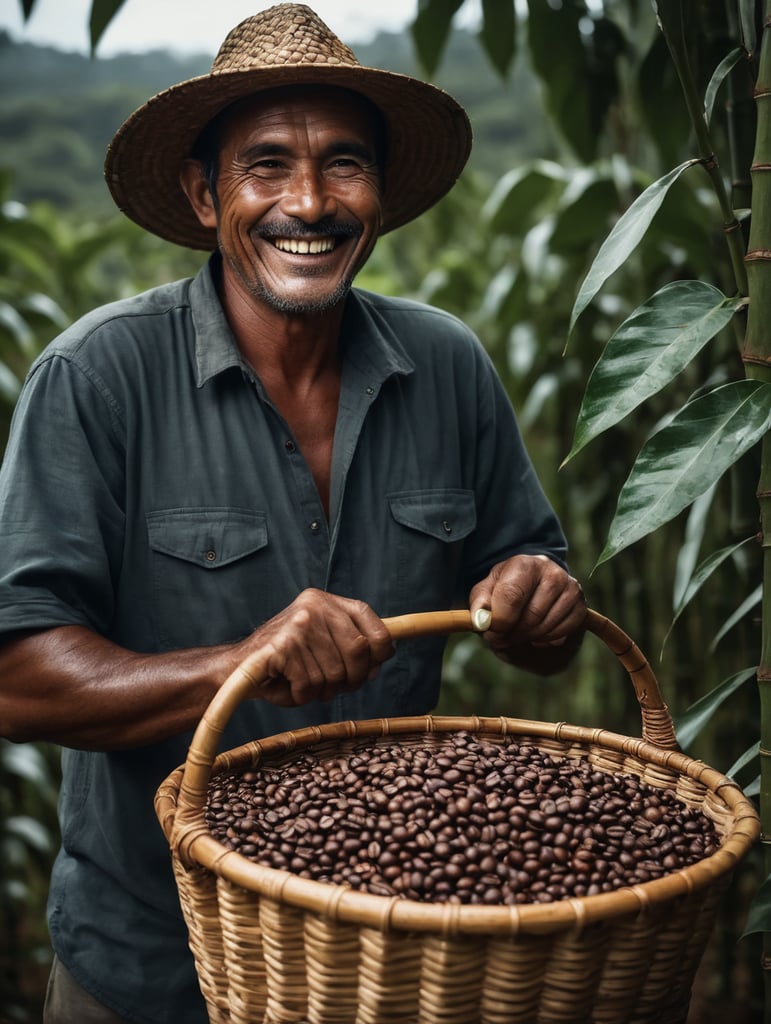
(344, 147)
(260, 150)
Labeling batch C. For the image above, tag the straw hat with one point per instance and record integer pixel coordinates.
(429, 136)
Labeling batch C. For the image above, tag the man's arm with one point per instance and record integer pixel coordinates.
(69, 685)
(538, 612)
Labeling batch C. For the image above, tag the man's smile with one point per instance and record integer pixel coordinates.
(305, 245)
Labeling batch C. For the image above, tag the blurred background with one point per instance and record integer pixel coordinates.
(575, 108)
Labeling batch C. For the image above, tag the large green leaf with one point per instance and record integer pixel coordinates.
(624, 238)
(685, 457)
(430, 30)
(498, 34)
(649, 350)
(691, 722)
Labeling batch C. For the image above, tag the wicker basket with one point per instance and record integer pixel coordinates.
(273, 947)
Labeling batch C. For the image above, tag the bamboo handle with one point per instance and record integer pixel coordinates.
(657, 726)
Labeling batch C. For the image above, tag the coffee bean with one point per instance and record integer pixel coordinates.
(457, 818)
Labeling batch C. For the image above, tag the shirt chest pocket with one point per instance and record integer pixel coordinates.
(429, 528)
(205, 573)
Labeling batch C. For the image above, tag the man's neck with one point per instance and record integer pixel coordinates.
(289, 349)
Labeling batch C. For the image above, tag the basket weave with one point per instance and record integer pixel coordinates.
(273, 947)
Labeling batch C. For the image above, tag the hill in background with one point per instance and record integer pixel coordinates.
(59, 110)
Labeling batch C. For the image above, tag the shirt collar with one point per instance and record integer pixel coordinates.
(215, 346)
(368, 342)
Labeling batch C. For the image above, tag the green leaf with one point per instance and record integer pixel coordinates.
(588, 200)
(102, 13)
(702, 574)
(721, 72)
(747, 21)
(747, 605)
(695, 718)
(15, 325)
(689, 550)
(24, 760)
(516, 198)
(31, 832)
(753, 789)
(685, 457)
(498, 34)
(430, 30)
(649, 350)
(759, 914)
(624, 238)
(746, 758)
(558, 56)
(661, 102)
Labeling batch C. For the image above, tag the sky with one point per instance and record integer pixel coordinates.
(195, 26)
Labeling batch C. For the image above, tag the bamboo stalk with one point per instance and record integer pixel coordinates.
(756, 355)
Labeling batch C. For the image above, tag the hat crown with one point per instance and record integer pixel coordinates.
(284, 34)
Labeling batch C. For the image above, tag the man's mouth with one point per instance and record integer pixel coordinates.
(312, 246)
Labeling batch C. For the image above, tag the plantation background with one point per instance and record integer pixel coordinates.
(557, 159)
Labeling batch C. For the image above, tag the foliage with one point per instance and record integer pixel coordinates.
(28, 841)
(650, 321)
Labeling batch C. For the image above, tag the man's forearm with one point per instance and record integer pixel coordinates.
(71, 686)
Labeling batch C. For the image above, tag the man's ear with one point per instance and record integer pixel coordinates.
(195, 185)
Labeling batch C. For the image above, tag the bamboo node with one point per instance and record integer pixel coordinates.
(757, 254)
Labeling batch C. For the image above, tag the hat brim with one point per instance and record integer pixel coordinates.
(429, 140)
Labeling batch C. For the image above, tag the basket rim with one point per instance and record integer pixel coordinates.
(194, 846)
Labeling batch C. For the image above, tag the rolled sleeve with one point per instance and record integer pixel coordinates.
(61, 515)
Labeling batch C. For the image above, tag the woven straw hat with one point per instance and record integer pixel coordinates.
(429, 136)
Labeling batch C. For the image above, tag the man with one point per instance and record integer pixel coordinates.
(260, 457)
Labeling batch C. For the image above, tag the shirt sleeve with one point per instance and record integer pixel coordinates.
(61, 503)
(514, 516)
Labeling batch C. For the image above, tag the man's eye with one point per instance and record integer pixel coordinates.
(343, 165)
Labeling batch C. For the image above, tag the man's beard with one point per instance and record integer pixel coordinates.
(294, 228)
(299, 306)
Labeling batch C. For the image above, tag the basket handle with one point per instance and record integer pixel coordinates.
(657, 726)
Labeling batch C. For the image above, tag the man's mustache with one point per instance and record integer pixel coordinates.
(292, 227)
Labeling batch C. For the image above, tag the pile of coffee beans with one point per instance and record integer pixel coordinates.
(457, 817)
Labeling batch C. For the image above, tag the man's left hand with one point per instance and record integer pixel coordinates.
(538, 612)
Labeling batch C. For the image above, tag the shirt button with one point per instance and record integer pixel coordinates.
(315, 526)
(211, 556)
(370, 390)
(447, 527)
(289, 445)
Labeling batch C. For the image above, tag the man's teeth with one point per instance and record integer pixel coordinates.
(303, 245)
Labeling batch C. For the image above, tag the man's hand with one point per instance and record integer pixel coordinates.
(320, 645)
(538, 612)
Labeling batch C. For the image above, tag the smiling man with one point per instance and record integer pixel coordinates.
(261, 457)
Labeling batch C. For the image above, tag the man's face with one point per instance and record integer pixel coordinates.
(298, 196)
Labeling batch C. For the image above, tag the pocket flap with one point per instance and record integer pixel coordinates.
(447, 515)
(209, 537)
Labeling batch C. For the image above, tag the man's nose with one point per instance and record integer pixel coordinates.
(308, 196)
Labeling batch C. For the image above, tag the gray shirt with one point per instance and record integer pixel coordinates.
(151, 492)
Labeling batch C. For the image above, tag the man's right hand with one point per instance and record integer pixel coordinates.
(319, 646)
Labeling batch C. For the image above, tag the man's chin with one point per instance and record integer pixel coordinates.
(302, 305)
